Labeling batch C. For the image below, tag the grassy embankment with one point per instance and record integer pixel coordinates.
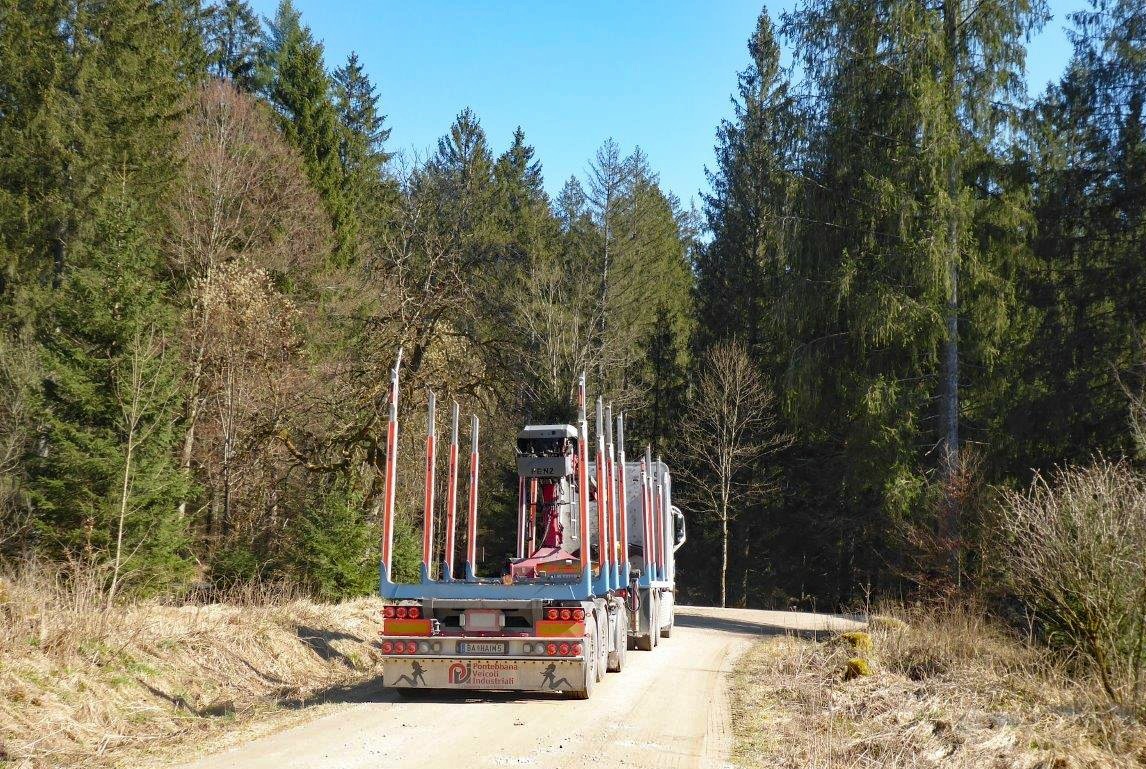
(924, 689)
(83, 685)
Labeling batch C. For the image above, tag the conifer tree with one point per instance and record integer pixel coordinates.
(367, 190)
(106, 485)
(300, 90)
(749, 209)
(232, 37)
(97, 89)
(1066, 397)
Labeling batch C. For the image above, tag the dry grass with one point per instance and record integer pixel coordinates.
(948, 689)
(81, 685)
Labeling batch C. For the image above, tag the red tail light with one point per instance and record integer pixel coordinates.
(414, 612)
(411, 647)
(401, 612)
(564, 649)
(576, 650)
(388, 612)
(551, 649)
(387, 647)
(578, 614)
(551, 614)
(566, 614)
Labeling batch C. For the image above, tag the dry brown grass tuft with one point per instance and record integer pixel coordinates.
(948, 689)
(86, 685)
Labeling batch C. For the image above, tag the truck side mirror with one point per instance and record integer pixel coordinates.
(679, 533)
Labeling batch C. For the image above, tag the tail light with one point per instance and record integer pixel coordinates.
(388, 612)
(566, 614)
(401, 612)
(576, 649)
(551, 614)
(413, 612)
(564, 649)
(387, 647)
(578, 614)
(551, 649)
(411, 647)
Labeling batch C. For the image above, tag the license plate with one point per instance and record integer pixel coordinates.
(481, 647)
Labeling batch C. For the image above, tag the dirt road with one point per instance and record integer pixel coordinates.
(667, 709)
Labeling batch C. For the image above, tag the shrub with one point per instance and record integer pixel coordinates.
(1075, 550)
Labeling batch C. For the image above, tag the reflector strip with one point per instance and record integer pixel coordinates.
(556, 628)
(406, 627)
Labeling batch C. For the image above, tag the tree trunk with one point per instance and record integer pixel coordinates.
(123, 502)
(724, 558)
(950, 395)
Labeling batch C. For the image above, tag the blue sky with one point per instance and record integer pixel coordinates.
(658, 75)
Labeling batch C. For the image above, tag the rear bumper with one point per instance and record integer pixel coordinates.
(544, 674)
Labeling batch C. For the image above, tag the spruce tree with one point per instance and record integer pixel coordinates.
(750, 206)
(97, 90)
(367, 191)
(300, 91)
(1067, 391)
(232, 37)
(106, 485)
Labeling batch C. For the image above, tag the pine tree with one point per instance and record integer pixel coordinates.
(900, 207)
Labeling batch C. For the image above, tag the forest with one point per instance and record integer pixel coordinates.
(909, 293)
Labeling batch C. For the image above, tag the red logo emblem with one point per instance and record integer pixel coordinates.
(459, 673)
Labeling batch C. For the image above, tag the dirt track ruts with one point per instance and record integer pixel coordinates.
(667, 709)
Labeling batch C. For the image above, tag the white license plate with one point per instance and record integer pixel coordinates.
(480, 647)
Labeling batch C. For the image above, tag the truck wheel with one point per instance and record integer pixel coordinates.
(666, 631)
(602, 649)
(647, 641)
(617, 657)
(590, 641)
(654, 618)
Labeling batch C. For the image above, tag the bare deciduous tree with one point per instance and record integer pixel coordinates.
(141, 394)
(242, 193)
(730, 423)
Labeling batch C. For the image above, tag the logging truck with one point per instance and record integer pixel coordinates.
(591, 579)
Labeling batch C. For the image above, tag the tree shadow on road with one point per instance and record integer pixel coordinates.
(372, 690)
(746, 627)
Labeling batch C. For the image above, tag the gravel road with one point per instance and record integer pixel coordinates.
(668, 708)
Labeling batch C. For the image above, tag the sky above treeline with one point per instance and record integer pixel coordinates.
(573, 74)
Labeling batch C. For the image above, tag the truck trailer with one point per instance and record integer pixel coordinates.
(592, 576)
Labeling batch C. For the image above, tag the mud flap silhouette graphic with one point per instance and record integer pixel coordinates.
(417, 673)
(550, 679)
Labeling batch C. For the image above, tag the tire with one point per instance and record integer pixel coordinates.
(602, 651)
(617, 657)
(666, 631)
(647, 641)
(654, 618)
(586, 690)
